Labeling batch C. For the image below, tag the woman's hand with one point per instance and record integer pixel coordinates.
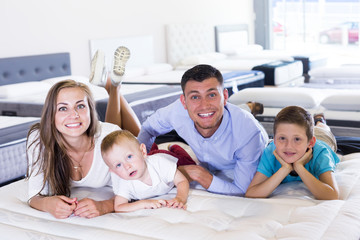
(59, 206)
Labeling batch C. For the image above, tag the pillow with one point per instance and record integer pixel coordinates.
(205, 58)
(250, 48)
(54, 80)
(215, 56)
(158, 68)
(131, 72)
(23, 89)
(343, 72)
(342, 102)
(277, 97)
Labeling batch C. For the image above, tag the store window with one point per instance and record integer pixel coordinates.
(329, 26)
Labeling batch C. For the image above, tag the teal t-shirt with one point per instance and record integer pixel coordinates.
(324, 159)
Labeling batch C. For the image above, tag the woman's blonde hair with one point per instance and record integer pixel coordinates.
(52, 159)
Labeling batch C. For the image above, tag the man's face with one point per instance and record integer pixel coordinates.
(205, 103)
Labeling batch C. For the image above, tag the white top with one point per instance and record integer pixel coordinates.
(162, 168)
(98, 175)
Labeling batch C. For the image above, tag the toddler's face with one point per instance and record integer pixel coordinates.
(127, 160)
(291, 142)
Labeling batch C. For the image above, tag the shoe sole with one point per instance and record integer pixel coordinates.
(121, 56)
(98, 69)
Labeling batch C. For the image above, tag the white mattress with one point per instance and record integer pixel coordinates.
(267, 55)
(282, 74)
(341, 106)
(342, 123)
(290, 213)
(347, 74)
(310, 98)
(165, 77)
(35, 92)
(13, 132)
(27, 99)
(173, 77)
(8, 121)
(192, 44)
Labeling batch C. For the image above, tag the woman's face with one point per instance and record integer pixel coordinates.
(72, 117)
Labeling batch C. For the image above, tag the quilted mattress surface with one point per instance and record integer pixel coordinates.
(290, 213)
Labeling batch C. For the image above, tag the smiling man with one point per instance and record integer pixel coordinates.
(227, 140)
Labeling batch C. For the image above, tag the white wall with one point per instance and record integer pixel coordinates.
(30, 27)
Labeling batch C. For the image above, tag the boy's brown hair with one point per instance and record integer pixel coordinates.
(115, 138)
(296, 115)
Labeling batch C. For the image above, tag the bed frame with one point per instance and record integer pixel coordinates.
(144, 100)
(290, 213)
(233, 36)
(15, 70)
(34, 68)
(191, 44)
(340, 106)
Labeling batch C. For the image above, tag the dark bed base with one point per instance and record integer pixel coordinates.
(234, 81)
(13, 160)
(340, 128)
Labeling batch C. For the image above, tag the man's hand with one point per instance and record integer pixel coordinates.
(198, 174)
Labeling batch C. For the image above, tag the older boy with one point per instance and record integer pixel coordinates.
(296, 155)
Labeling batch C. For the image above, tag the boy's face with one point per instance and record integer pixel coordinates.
(127, 160)
(291, 142)
(205, 103)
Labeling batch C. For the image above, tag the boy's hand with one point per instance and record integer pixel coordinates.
(304, 159)
(176, 203)
(284, 164)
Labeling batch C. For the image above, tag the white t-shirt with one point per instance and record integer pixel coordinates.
(98, 175)
(161, 167)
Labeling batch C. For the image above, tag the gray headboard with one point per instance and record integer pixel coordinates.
(34, 68)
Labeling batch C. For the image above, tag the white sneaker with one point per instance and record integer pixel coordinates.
(121, 56)
(98, 75)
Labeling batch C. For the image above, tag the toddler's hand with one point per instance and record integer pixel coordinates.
(154, 203)
(176, 203)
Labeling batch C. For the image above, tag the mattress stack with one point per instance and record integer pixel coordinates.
(340, 106)
(281, 72)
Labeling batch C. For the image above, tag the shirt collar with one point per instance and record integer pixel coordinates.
(220, 130)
